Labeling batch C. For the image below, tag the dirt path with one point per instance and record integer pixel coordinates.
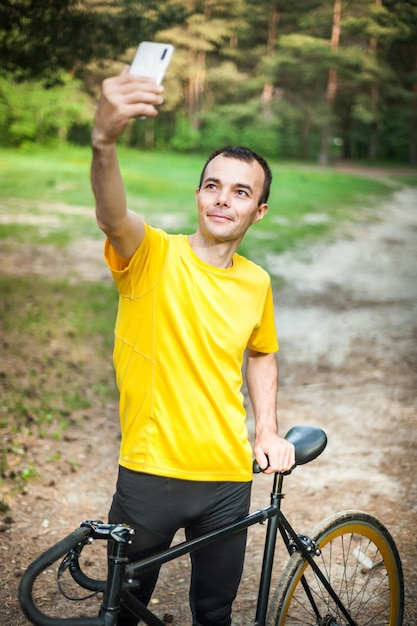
(347, 323)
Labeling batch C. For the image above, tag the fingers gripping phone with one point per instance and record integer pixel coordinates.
(152, 60)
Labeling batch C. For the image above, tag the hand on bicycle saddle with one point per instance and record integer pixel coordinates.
(273, 453)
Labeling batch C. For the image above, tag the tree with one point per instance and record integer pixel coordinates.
(288, 78)
(402, 58)
(373, 144)
(40, 40)
(201, 42)
(331, 90)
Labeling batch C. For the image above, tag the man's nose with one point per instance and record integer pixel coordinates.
(223, 198)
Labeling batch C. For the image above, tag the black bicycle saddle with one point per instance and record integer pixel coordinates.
(309, 442)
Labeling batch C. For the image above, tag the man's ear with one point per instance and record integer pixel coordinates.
(260, 212)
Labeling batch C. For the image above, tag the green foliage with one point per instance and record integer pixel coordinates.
(29, 112)
(40, 318)
(57, 341)
(34, 36)
(42, 40)
(243, 71)
(186, 138)
(244, 124)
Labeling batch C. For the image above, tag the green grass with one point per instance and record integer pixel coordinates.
(57, 338)
(53, 310)
(305, 203)
(56, 361)
(407, 179)
(46, 174)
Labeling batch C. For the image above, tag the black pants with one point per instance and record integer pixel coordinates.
(156, 507)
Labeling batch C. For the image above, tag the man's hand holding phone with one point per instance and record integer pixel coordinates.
(135, 93)
(123, 98)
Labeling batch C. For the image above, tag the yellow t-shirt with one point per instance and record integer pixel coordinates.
(181, 331)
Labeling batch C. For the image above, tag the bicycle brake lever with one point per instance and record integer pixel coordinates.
(65, 563)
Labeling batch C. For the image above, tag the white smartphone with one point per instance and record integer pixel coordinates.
(152, 60)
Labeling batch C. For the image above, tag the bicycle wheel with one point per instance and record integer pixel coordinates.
(361, 562)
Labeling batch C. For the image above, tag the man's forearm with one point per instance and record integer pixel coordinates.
(107, 186)
(262, 381)
(272, 452)
(123, 98)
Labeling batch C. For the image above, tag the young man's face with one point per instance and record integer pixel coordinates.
(228, 198)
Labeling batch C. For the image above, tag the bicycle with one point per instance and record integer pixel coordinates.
(346, 573)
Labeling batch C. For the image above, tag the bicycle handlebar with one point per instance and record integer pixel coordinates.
(46, 559)
(82, 579)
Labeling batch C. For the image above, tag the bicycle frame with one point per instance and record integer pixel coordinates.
(276, 521)
(122, 577)
(270, 513)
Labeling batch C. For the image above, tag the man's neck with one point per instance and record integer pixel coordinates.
(216, 253)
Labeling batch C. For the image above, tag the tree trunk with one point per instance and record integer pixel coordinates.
(413, 124)
(373, 144)
(150, 136)
(305, 138)
(268, 90)
(346, 130)
(196, 85)
(197, 78)
(331, 90)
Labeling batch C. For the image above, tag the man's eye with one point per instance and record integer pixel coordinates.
(241, 192)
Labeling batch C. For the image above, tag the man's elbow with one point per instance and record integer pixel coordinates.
(112, 228)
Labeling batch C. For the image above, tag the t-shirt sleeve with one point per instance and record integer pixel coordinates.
(134, 275)
(264, 336)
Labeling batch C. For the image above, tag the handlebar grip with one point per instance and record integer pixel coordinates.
(44, 561)
(256, 468)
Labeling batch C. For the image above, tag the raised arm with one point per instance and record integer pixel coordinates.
(272, 451)
(122, 98)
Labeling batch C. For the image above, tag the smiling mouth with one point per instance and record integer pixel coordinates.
(219, 217)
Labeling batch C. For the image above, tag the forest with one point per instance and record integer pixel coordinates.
(311, 80)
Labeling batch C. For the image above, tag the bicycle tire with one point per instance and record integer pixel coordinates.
(361, 561)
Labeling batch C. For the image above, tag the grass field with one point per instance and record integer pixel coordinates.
(305, 203)
(57, 334)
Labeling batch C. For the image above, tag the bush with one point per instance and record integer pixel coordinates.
(185, 138)
(32, 112)
(240, 125)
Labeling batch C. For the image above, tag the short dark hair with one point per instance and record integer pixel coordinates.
(243, 154)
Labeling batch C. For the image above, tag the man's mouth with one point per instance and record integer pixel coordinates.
(219, 217)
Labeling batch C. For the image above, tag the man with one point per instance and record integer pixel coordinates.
(189, 308)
